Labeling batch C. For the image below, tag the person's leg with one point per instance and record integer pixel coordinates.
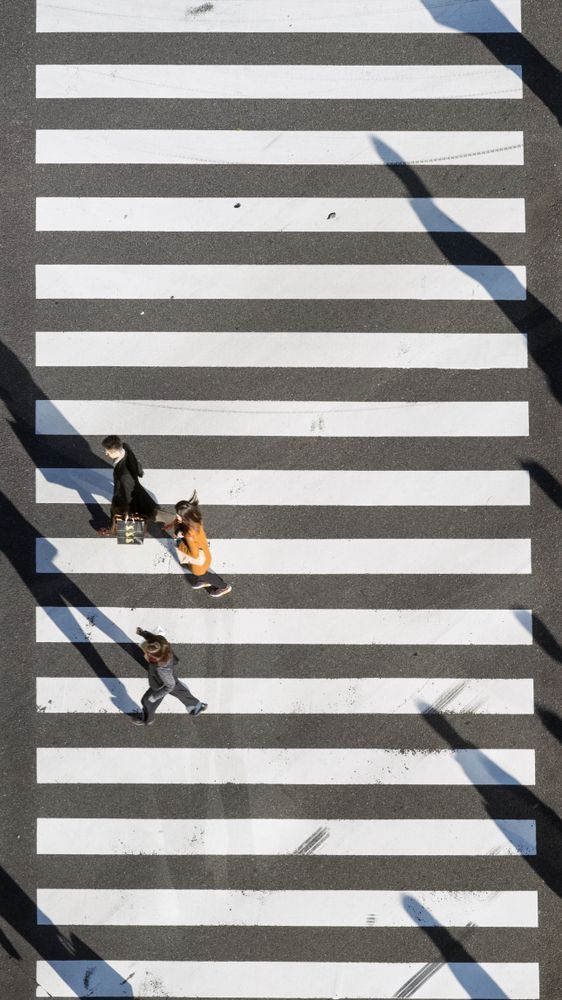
(183, 694)
(150, 702)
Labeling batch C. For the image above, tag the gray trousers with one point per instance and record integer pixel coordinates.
(152, 699)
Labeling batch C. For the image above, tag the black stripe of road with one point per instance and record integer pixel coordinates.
(278, 115)
(315, 522)
(66, 660)
(290, 314)
(315, 48)
(301, 591)
(168, 383)
(278, 248)
(406, 874)
(296, 944)
(179, 452)
(285, 802)
(253, 181)
(393, 732)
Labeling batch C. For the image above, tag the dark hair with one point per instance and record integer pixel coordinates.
(189, 510)
(112, 441)
(159, 648)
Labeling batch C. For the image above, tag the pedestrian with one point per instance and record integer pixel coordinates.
(193, 549)
(163, 679)
(129, 497)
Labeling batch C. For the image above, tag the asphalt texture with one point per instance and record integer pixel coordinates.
(23, 729)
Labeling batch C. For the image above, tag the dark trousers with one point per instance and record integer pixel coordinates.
(213, 579)
(152, 699)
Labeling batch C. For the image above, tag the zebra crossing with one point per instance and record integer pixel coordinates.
(176, 225)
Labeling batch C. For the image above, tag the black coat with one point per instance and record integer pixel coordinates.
(129, 497)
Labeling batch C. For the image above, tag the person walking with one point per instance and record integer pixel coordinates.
(129, 496)
(193, 549)
(163, 680)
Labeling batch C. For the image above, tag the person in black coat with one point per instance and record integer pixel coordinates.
(129, 497)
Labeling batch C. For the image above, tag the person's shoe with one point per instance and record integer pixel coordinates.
(201, 707)
(199, 586)
(220, 591)
(138, 720)
(104, 532)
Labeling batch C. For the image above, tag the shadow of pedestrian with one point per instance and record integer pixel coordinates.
(79, 967)
(19, 545)
(545, 480)
(523, 310)
(474, 980)
(550, 721)
(541, 635)
(547, 863)
(509, 46)
(19, 393)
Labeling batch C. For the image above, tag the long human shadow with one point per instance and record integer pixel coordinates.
(524, 311)
(545, 481)
(19, 547)
(473, 979)
(547, 862)
(78, 965)
(509, 46)
(19, 393)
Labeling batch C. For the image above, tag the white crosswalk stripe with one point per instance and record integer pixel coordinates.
(239, 837)
(115, 348)
(280, 696)
(297, 215)
(291, 626)
(290, 908)
(224, 280)
(218, 766)
(291, 980)
(279, 15)
(276, 148)
(313, 556)
(331, 82)
(283, 418)
(265, 487)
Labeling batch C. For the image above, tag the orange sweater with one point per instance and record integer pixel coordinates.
(195, 541)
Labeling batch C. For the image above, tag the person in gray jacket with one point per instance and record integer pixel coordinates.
(163, 679)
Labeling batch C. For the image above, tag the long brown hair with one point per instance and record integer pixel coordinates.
(189, 511)
(158, 648)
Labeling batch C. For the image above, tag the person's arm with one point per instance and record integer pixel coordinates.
(149, 636)
(166, 677)
(126, 488)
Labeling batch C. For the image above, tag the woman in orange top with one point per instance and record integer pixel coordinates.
(193, 549)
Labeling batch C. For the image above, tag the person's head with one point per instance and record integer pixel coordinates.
(157, 649)
(189, 511)
(113, 446)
